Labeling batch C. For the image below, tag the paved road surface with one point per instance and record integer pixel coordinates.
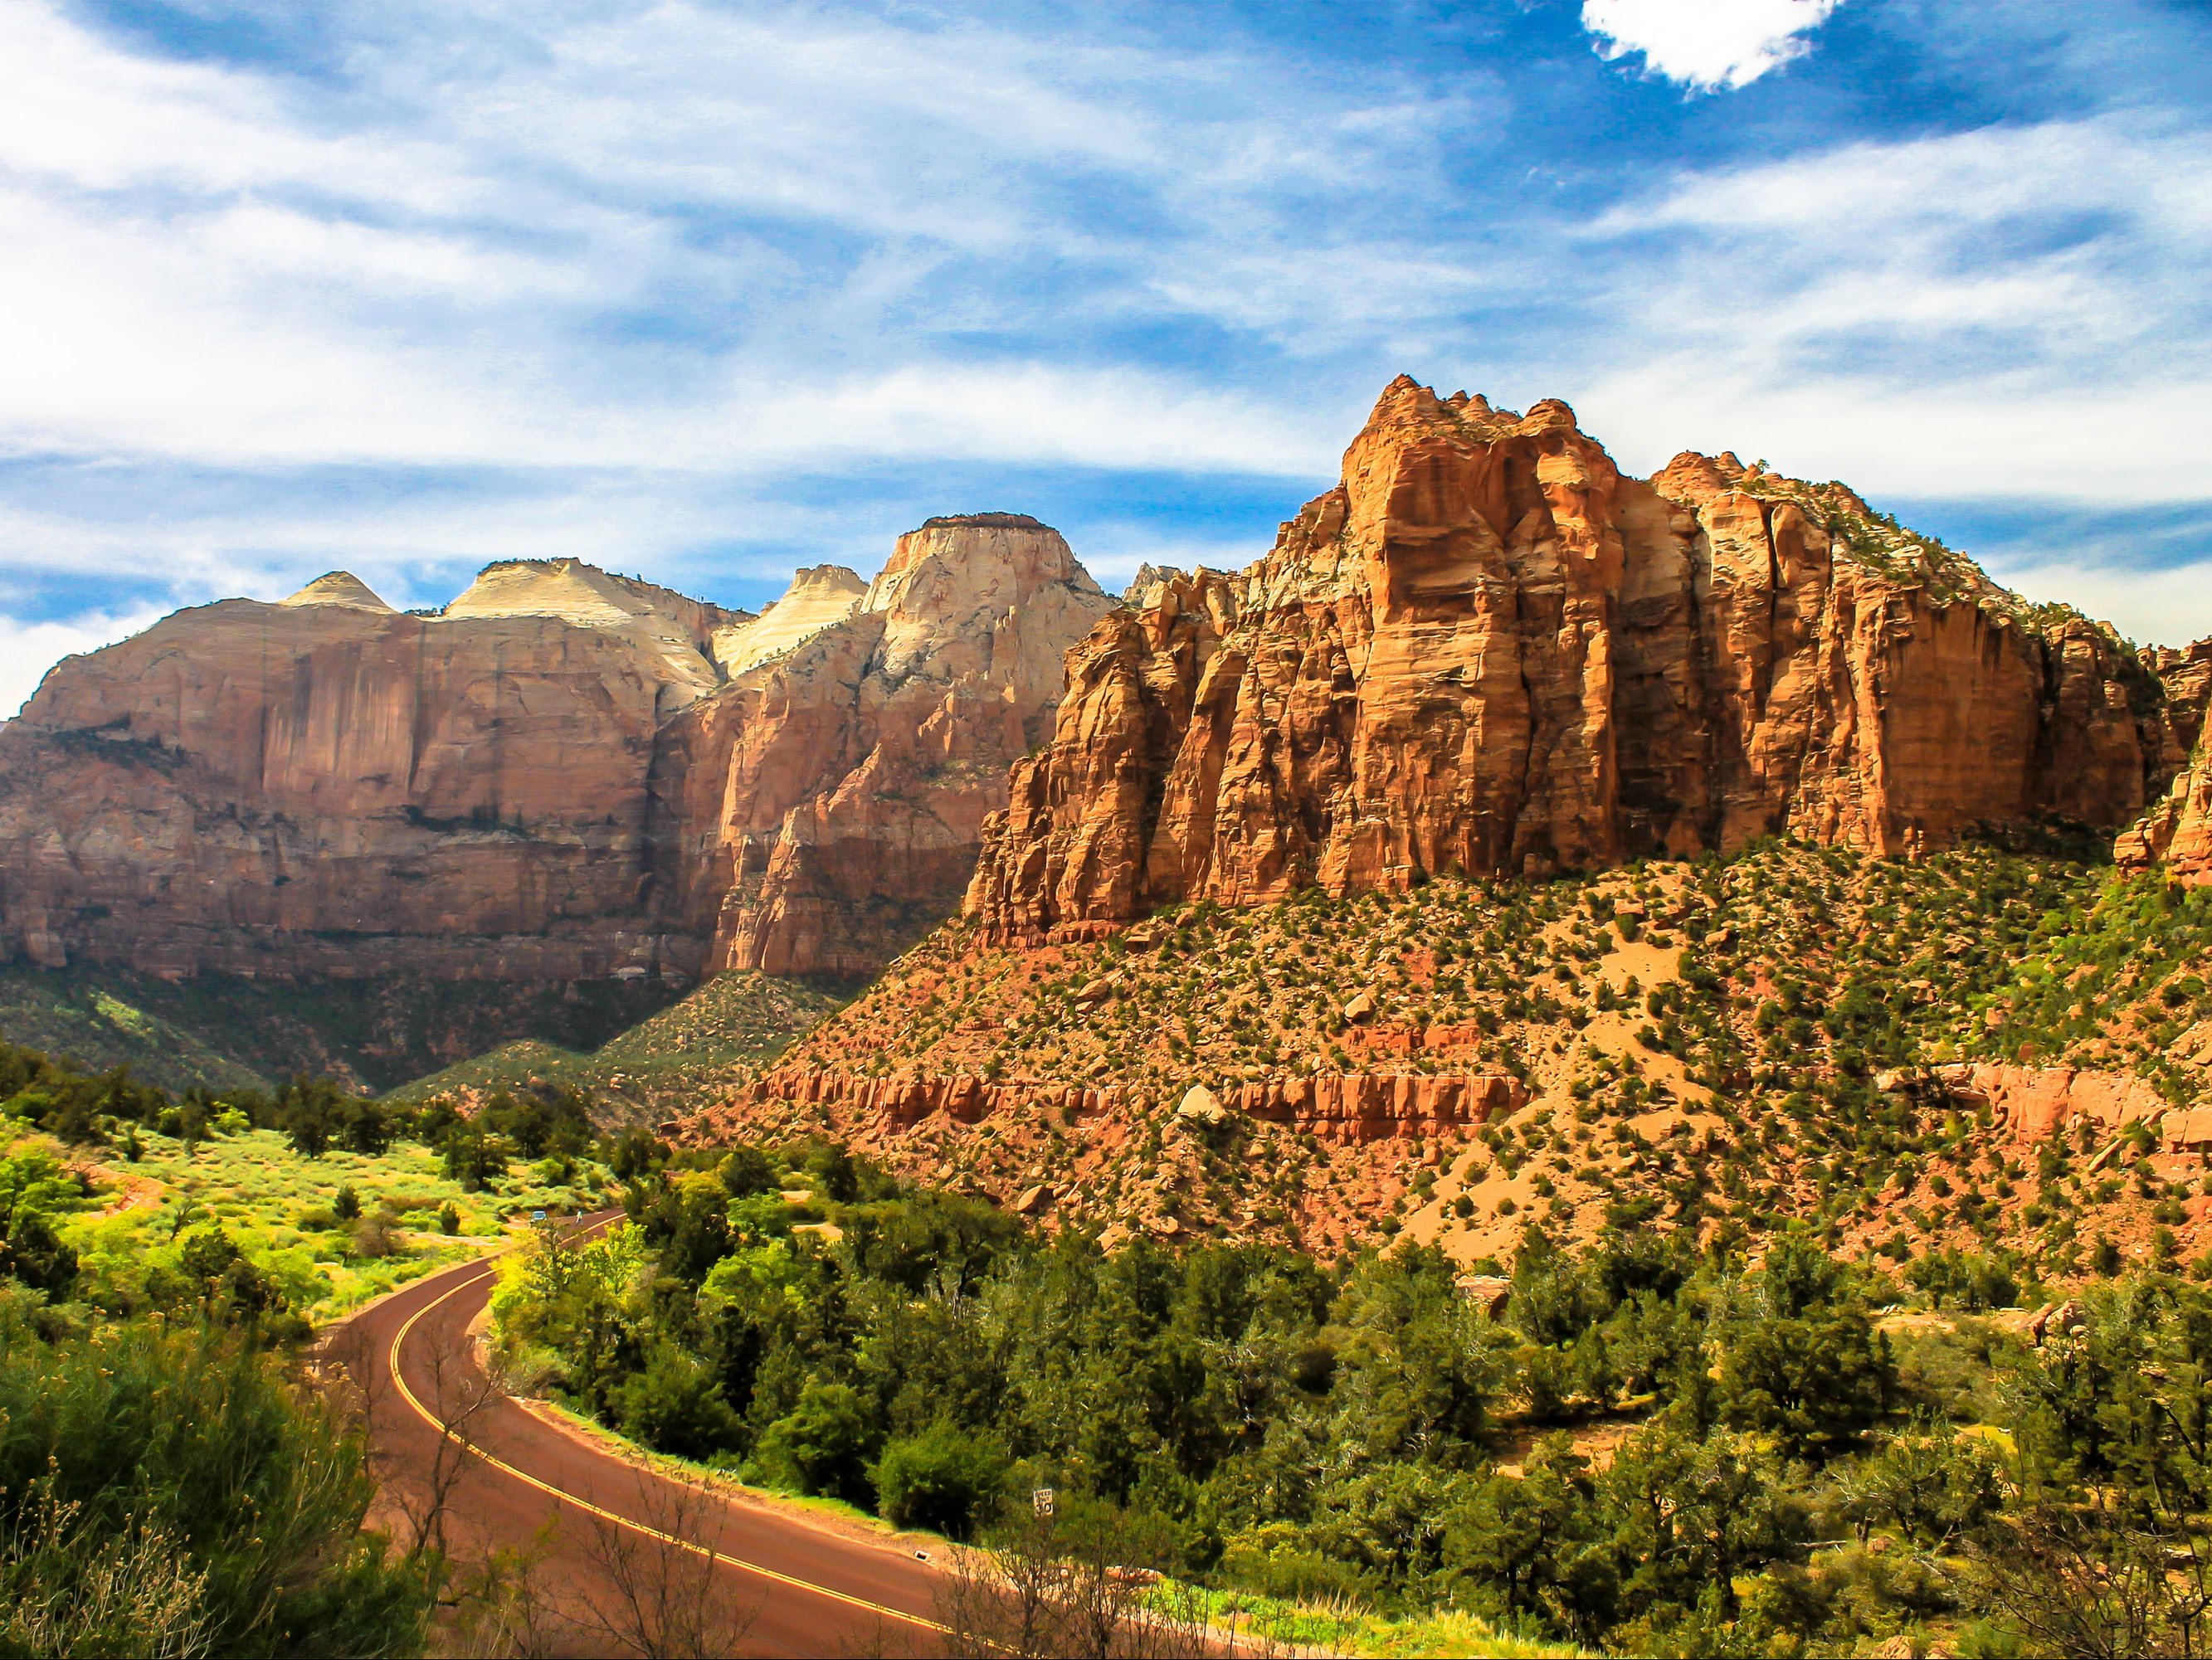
(817, 1591)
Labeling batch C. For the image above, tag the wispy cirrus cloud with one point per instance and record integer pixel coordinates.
(695, 290)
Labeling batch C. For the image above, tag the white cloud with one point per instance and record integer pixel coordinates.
(2015, 310)
(639, 265)
(1706, 44)
(826, 210)
(28, 650)
(2170, 607)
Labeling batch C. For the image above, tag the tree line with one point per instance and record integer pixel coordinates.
(1659, 1446)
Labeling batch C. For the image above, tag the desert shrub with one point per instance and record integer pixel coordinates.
(167, 1487)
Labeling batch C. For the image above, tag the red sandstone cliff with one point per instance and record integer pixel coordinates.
(329, 786)
(2177, 832)
(1487, 650)
(548, 780)
(825, 808)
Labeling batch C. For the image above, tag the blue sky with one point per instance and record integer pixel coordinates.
(705, 291)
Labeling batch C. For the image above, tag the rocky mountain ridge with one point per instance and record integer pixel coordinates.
(517, 786)
(1485, 652)
(1488, 652)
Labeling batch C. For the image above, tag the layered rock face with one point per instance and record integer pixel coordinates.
(825, 808)
(554, 778)
(1488, 651)
(2176, 832)
(327, 786)
(1353, 1109)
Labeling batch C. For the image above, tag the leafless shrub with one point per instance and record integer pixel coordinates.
(1086, 1582)
(2089, 1584)
(462, 1392)
(662, 1592)
(374, 1237)
(506, 1607)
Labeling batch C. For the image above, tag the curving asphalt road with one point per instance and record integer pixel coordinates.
(816, 1591)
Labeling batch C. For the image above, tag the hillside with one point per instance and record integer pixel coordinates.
(1882, 1047)
(224, 1031)
(703, 1046)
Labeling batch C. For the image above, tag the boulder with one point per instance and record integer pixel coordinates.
(1200, 1106)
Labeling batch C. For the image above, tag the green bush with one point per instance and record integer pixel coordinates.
(674, 1405)
(943, 1480)
(165, 1490)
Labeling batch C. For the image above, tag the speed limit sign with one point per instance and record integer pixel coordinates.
(1041, 1500)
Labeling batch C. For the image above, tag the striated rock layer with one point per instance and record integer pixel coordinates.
(1353, 1108)
(327, 786)
(555, 778)
(1488, 651)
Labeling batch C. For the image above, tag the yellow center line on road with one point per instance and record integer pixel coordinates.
(399, 1378)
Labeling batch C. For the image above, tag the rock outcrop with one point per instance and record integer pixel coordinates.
(819, 596)
(526, 785)
(2032, 1103)
(1488, 651)
(1354, 1109)
(824, 809)
(2177, 832)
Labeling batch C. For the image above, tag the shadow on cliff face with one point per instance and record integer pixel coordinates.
(224, 1031)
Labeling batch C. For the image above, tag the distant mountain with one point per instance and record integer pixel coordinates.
(565, 775)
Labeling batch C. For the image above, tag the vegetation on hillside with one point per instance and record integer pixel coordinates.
(718, 1035)
(1737, 1045)
(223, 1033)
(304, 1202)
(178, 1476)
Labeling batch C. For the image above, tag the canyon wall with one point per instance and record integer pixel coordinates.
(508, 788)
(824, 811)
(327, 786)
(2176, 834)
(1488, 651)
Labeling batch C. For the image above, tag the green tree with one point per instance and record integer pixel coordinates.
(944, 1478)
(180, 1466)
(819, 1446)
(673, 1405)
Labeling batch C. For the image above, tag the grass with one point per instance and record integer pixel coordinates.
(1344, 1627)
(277, 1205)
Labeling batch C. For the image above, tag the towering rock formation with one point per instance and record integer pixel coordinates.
(1488, 651)
(325, 786)
(824, 809)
